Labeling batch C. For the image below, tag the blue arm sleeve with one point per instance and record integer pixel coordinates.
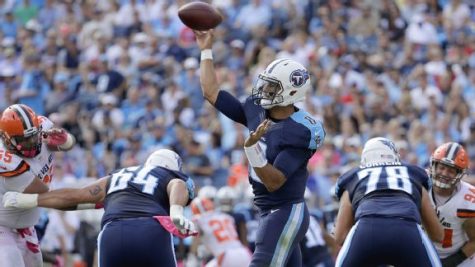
(422, 176)
(342, 183)
(291, 159)
(231, 107)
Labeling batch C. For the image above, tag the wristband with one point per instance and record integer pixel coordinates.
(68, 144)
(89, 206)
(176, 210)
(27, 201)
(255, 156)
(206, 54)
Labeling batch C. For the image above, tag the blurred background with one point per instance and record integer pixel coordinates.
(123, 77)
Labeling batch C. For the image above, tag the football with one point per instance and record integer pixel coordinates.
(199, 16)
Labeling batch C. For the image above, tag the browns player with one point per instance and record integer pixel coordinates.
(26, 145)
(454, 200)
(218, 235)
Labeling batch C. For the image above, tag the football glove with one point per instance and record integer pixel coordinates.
(184, 225)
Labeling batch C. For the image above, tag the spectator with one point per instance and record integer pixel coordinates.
(33, 89)
(198, 164)
(107, 80)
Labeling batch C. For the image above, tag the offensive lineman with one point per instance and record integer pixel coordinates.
(383, 202)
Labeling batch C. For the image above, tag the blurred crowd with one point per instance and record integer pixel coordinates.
(123, 77)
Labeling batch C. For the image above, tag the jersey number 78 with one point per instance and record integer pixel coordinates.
(395, 178)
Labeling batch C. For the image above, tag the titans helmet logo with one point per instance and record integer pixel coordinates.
(299, 77)
(390, 144)
(179, 161)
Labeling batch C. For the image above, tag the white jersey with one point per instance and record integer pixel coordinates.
(218, 232)
(16, 173)
(452, 215)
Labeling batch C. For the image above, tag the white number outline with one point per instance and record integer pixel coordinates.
(120, 179)
(395, 176)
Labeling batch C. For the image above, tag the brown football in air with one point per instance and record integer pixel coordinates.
(199, 16)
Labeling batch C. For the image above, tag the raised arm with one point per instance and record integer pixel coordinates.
(63, 199)
(58, 139)
(208, 79)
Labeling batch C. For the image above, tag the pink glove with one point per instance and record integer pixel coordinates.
(59, 262)
(168, 224)
(55, 137)
(30, 239)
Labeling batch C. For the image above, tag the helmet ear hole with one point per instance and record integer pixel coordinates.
(292, 93)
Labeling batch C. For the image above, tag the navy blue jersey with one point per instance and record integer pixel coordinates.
(140, 191)
(288, 145)
(249, 213)
(238, 218)
(385, 190)
(313, 246)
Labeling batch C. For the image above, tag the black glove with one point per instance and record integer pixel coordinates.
(454, 259)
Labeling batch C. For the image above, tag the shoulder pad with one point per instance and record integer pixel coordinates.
(343, 181)
(12, 165)
(312, 139)
(467, 207)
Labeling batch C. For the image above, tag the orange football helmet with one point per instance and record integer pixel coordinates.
(20, 130)
(451, 155)
(201, 205)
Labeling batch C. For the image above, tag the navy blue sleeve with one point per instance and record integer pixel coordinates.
(291, 159)
(308, 133)
(238, 218)
(421, 176)
(231, 107)
(342, 183)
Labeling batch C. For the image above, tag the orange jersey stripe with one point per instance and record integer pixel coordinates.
(23, 167)
(464, 213)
